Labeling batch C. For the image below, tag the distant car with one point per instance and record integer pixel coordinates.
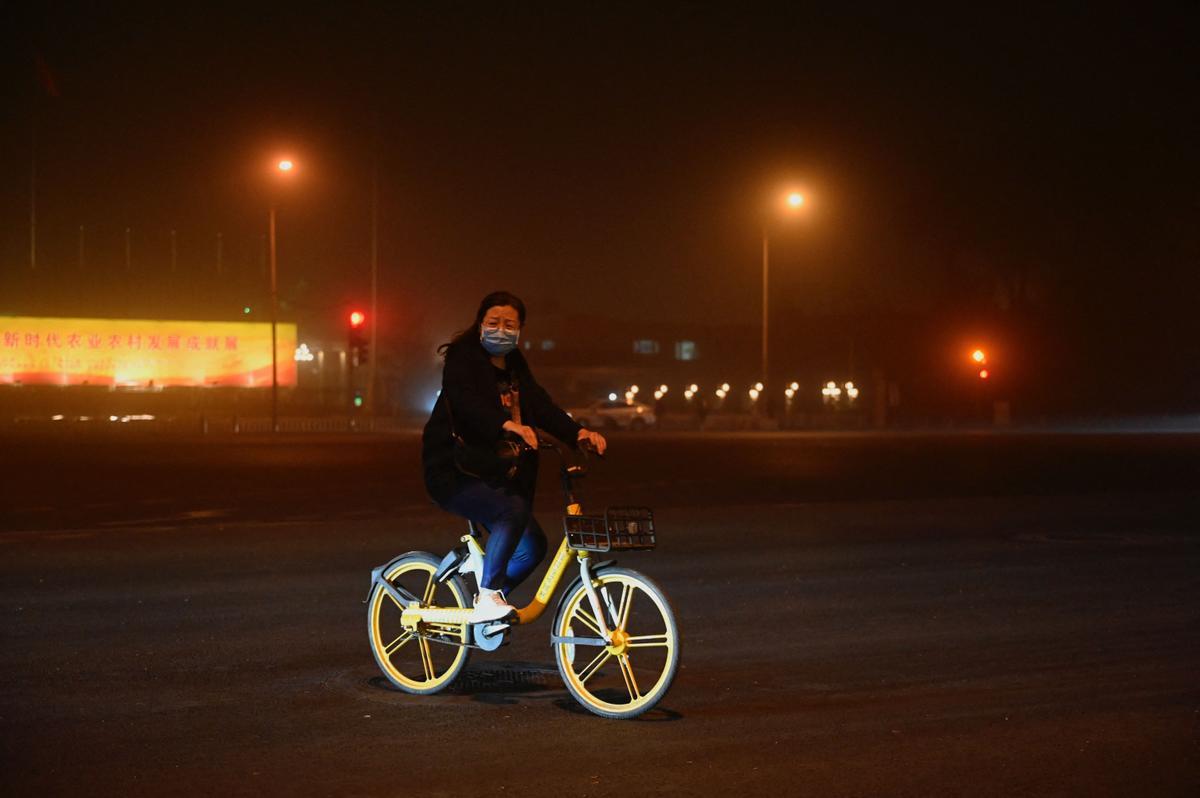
(607, 414)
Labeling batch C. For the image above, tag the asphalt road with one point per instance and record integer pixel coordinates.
(861, 615)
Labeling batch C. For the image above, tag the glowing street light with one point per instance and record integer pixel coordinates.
(758, 386)
(754, 394)
(694, 388)
(612, 397)
(983, 374)
(978, 356)
(794, 200)
(285, 166)
(725, 387)
(662, 388)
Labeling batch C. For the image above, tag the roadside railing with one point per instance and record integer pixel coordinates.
(203, 424)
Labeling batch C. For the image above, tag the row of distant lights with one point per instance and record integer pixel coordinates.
(833, 393)
(633, 391)
(830, 391)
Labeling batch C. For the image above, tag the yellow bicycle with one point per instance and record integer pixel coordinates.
(614, 635)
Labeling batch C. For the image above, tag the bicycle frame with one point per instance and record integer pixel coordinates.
(413, 614)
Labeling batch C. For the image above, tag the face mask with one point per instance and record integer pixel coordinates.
(499, 341)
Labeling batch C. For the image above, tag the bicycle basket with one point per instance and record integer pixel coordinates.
(619, 529)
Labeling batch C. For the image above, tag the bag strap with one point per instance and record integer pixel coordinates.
(453, 430)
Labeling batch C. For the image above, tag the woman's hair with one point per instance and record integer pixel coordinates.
(492, 300)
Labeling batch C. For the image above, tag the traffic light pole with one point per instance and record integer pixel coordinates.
(758, 409)
(374, 286)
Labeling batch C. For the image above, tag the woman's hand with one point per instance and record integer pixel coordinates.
(593, 440)
(527, 434)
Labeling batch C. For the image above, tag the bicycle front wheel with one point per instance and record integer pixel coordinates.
(633, 672)
(429, 658)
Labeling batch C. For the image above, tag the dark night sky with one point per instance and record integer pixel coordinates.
(620, 157)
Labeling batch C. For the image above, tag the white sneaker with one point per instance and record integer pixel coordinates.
(490, 605)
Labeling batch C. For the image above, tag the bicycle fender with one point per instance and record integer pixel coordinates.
(378, 572)
(450, 564)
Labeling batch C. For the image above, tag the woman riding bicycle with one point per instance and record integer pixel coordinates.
(489, 392)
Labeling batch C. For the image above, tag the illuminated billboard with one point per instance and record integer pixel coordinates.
(146, 354)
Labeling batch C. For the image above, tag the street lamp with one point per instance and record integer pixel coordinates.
(794, 201)
(284, 168)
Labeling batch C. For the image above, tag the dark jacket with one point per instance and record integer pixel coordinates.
(469, 383)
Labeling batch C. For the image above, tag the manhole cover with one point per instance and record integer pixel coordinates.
(506, 677)
(496, 678)
(1069, 537)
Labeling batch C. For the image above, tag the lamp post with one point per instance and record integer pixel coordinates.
(794, 201)
(284, 167)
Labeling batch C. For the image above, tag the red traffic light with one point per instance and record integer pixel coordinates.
(357, 318)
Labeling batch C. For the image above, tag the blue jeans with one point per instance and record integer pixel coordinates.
(515, 544)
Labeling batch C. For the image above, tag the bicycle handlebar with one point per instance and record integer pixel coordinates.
(568, 471)
(547, 442)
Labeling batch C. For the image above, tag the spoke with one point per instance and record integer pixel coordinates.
(626, 601)
(427, 601)
(630, 682)
(588, 621)
(590, 669)
(426, 659)
(396, 644)
(647, 641)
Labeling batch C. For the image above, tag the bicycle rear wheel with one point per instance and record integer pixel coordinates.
(430, 659)
(629, 676)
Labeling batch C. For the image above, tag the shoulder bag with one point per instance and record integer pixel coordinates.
(490, 465)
